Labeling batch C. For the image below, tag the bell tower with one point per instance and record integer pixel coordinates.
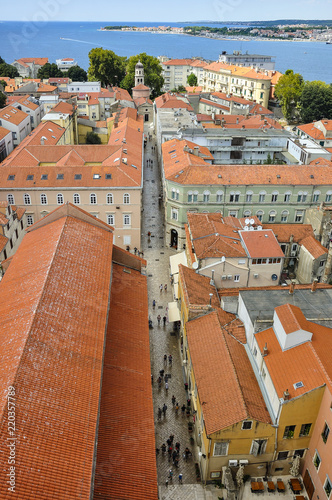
(139, 74)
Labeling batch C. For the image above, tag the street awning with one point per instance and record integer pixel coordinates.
(175, 261)
(173, 312)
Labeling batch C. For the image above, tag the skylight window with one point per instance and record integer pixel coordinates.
(108, 176)
(116, 159)
(29, 177)
(44, 177)
(78, 177)
(96, 176)
(59, 176)
(298, 385)
(11, 177)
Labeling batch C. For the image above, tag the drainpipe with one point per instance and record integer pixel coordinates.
(276, 426)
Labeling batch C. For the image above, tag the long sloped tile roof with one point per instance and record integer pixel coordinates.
(54, 302)
(126, 463)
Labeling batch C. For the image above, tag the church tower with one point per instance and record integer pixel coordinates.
(139, 74)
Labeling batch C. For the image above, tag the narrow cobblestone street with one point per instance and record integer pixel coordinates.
(163, 341)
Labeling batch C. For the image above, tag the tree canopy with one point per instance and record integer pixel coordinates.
(49, 71)
(106, 67)
(7, 69)
(3, 100)
(152, 73)
(288, 90)
(192, 80)
(92, 138)
(316, 101)
(77, 74)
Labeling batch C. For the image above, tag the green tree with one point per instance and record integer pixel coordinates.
(92, 138)
(106, 67)
(316, 101)
(152, 74)
(49, 71)
(7, 69)
(192, 80)
(3, 100)
(77, 74)
(288, 90)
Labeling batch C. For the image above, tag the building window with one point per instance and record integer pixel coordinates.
(247, 425)
(328, 487)
(190, 196)
(262, 197)
(246, 213)
(43, 199)
(315, 197)
(274, 197)
(259, 215)
(299, 216)
(328, 196)
(287, 197)
(76, 199)
(93, 199)
(126, 199)
(282, 455)
(299, 453)
(175, 194)
(110, 219)
(126, 220)
(127, 240)
(305, 430)
(317, 460)
(272, 216)
(109, 199)
(234, 197)
(258, 447)
(59, 199)
(29, 220)
(220, 449)
(289, 432)
(249, 196)
(27, 200)
(174, 214)
(219, 196)
(206, 196)
(10, 199)
(325, 433)
(195, 196)
(236, 277)
(301, 197)
(284, 216)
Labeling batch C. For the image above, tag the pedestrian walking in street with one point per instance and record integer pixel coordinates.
(176, 408)
(170, 359)
(161, 373)
(165, 287)
(166, 483)
(170, 475)
(166, 387)
(183, 410)
(174, 454)
(163, 448)
(172, 438)
(164, 320)
(188, 412)
(157, 451)
(159, 381)
(186, 386)
(173, 400)
(169, 442)
(135, 250)
(169, 451)
(166, 378)
(165, 359)
(176, 461)
(159, 413)
(164, 410)
(153, 304)
(159, 319)
(180, 478)
(161, 288)
(151, 378)
(177, 446)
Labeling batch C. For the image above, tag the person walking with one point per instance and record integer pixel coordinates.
(166, 378)
(165, 287)
(163, 448)
(166, 387)
(176, 462)
(157, 451)
(177, 446)
(183, 409)
(158, 319)
(154, 304)
(176, 408)
(164, 320)
(170, 475)
(161, 288)
(173, 400)
(161, 373)
(159, 413)
(135, 250)
(164, 410)
(165, 359)
(170, 359)
(180, 478)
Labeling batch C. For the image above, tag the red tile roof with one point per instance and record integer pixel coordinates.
(261, 244)
(4, 132)
(3, 242)
(52, 330)
(292, 318)
(39, 61)
(283, 232)
(13, 115)
(171, 101)
(211, 343)
(126, 463)
(313, 246)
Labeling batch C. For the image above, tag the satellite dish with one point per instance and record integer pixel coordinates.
(252, 221)
(274, 277)
(223, 258)
(195, 265)
(259, 228)
(247, 221)
(251, 228)
(246, 228)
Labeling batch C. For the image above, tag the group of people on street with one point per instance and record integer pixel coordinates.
(173, 452)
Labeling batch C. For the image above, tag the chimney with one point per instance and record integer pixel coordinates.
(265, 351)
(196, 150)
(286, 395)
(243, 127)
(262, 117)
(237, 120)
(291, 287)
(314, 285)
(212, 278)
(42, 141)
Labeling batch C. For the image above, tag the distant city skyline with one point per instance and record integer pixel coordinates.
(174, 11)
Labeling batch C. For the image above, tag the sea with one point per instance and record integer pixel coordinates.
(55, 40)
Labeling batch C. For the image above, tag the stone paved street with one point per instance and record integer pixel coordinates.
(164, 341)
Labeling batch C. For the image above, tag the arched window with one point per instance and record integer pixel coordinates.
(315, 196)
(27, 199)
(190, 196)
(110, 219)
(249, 196)
(234, 196)
(246, 213)
(195, 196)
(328, 196)
(59, 199)
(93, 199)
(219, 196)
(43, 199)
(262, 195)
(272, 216)
(260, 214)
(284, 216)
(109, 198)
(206, 196)
(301, 196)
(274, 196)
(10, 199)
(287, 197)
(126, 199)
(76, 199)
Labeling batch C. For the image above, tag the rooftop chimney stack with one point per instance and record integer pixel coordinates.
(265, 350)
(286, 395)
(291, 287)
(314, 285)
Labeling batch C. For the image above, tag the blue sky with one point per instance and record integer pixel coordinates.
(167, 11)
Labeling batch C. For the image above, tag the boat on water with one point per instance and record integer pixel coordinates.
(329, 42)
